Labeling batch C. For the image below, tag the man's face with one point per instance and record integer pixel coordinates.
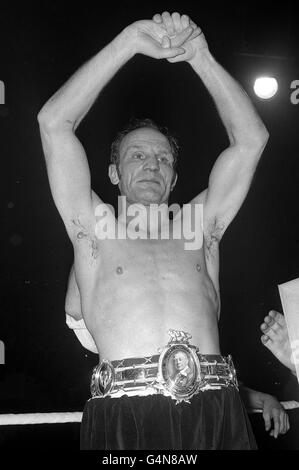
(180, 361)
(145, 167)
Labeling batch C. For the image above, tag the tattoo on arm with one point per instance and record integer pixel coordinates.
(84, 234)
(214, 234)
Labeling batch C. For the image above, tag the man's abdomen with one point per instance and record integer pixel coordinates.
(133, 320)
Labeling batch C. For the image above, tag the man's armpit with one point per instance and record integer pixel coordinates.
(213, 233)
(82, 234)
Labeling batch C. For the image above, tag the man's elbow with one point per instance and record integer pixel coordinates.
(50, 121)
(263, 136)
(259, 137)
(46, 119)
(255, 141)
(75, 313)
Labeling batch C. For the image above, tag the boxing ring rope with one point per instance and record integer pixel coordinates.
(76, 416)
(40, 418)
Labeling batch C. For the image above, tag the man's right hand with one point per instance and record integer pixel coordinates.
(151, 39)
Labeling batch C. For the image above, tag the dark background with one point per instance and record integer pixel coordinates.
(46, 367)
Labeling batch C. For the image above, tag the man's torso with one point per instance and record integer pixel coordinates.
(134, 291)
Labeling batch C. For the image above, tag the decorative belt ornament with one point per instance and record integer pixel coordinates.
(180, 372)
(179, 367)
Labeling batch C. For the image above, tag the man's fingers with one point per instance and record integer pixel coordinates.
(196, 32)
(157, 18)
(168, 23)
(265, 339)
(264, 327)
(176, 18)
(176, 59)
(185, 20)
(276, 422)
(273, 328)
(282, 423)
(278, 317)
(267, 420)
(269, 320)
(165, 42)
(182, 37)
(270, 325)
(172, 52)
(285, 424)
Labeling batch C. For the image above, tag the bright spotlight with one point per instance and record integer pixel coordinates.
(265, 87)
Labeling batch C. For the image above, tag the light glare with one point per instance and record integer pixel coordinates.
(265, 87)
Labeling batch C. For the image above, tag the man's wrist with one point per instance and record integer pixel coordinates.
(201, 57)
(124, 44)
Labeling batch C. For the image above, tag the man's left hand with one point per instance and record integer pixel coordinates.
(174, 25)
(274, 411)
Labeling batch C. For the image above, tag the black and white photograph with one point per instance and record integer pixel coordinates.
(150, 168)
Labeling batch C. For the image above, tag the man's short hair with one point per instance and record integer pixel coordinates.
(136, 123)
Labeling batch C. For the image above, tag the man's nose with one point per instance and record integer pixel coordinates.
(152, 163)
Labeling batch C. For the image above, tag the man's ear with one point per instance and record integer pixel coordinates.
(174, 180)
(113, 174)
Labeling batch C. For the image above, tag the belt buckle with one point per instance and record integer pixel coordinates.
(179, 369)
(102, 380)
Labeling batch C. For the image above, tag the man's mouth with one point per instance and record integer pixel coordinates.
(149, 181)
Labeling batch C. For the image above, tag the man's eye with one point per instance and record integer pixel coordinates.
(165, 159)
(138, 155)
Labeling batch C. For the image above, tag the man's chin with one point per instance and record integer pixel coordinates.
(149, 198)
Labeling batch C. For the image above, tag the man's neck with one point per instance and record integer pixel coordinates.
(150, 219)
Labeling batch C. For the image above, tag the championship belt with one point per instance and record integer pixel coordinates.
(178, 371)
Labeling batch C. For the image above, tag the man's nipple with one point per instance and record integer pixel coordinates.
(198, 268)
(119, 270)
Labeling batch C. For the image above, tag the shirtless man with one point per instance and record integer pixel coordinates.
(276, 419)
(134, 291)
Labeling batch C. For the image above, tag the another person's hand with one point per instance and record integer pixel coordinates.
(274, 412)
(276, 339)
(151, 39)
(174, 25)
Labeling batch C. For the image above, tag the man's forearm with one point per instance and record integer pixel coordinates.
(68, 106)
(237, 113)
(251, 398)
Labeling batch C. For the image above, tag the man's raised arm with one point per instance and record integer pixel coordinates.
(66, 161)
(232, 173)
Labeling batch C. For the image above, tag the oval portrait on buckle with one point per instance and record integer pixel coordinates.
(102, 379)
(180, 370)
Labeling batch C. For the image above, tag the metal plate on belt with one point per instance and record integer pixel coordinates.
(102, 379)
(179, 370)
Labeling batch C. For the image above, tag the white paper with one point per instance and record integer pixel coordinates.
(289, 294)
